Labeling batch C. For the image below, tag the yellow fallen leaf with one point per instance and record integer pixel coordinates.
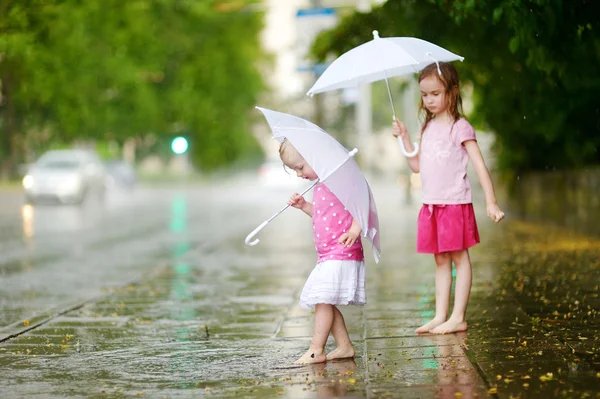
(493, 391)
(458, 395)
(526, 385)
(351, 381)
(26, 323)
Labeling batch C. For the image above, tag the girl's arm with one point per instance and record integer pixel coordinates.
(349, 238)
(493, 210)
(399, 130)
(297, 201)
(307, 208)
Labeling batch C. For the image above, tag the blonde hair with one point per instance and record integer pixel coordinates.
(287, 152)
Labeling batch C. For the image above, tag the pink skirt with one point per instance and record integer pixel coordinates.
(445, 228)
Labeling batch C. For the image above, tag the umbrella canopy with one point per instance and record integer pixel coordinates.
(334, 166)
(379, 59)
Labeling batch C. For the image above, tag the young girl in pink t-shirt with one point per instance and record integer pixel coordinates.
(446, 223)
(339, 276)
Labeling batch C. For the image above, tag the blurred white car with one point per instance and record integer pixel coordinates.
(272, 174)
(68, 176)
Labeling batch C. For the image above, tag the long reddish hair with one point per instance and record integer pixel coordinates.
(450, 81)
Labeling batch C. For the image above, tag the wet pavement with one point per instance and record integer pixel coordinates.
(153, 294)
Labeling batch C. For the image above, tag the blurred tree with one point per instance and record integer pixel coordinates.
(533, 65)
(114, 69)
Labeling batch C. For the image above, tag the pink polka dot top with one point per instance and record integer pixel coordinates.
(330, 221)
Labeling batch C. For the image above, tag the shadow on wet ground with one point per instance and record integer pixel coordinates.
(212, 318)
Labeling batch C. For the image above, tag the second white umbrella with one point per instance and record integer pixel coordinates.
(380, 59)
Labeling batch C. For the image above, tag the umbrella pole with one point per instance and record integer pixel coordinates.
(415, 145)
(266, 222)
(387, 84)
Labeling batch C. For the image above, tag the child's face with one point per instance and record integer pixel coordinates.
(433, 94)
(298, 164)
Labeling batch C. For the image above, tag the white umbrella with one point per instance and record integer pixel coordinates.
(381, 59)
(334, 166)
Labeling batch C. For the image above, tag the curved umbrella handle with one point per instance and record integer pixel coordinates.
(415, 145)
(255, 232)
(406, 153)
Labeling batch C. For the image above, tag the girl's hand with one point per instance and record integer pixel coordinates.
(297, 201)
(398, 128)
(494, 212)
(349, 238)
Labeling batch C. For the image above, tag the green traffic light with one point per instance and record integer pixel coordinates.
(179, 145)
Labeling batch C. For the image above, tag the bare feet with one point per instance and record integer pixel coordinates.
(450, 326)
(312, 356)
(345, 352)
(430, 326)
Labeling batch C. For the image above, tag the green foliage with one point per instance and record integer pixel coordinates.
(112, 70)
(533, 65)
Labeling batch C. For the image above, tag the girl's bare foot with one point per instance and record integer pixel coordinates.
(451, 326)
(345, 352)
(312, 356)
(430, 326)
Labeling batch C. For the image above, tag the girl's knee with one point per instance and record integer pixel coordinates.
(443, 259)
(461, 257)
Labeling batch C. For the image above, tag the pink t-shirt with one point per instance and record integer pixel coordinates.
(443, 163)
(330, 221)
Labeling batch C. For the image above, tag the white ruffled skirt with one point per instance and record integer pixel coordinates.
(335, 282)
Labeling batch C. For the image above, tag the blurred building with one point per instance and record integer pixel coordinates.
(290, 28)
(285, 34)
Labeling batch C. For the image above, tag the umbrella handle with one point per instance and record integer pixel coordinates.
(255, 232)
(406, 153)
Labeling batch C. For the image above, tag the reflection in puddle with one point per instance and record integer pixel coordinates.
(334, 379)
(181, 289)
(27, 215)
(455, 373)
(57, 219)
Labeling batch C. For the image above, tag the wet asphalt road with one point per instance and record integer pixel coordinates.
(153, 293)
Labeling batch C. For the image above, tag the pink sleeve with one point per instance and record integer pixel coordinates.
(464, 131)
